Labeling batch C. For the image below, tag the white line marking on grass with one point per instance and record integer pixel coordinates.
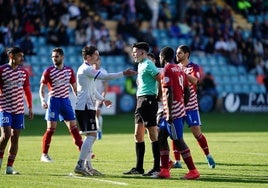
(259, 154)
(100, 180)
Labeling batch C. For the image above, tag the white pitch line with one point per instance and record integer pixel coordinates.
(100, 180)
(259, 154)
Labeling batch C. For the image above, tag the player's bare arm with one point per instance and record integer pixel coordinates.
(129, 72)
(74, 88)
(192, 79)
(42, 96)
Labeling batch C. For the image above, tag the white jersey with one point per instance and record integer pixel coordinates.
(86, 89)
(100, 83)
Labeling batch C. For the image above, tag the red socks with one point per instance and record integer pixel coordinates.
(76, 137)
(202, 141)
(47, 139)
(187, 157)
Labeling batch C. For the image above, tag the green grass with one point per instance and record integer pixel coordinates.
(238, 143)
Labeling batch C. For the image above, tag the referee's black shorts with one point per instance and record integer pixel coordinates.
(146, 110)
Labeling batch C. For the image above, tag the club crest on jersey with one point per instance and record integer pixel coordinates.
(20, 75)
(67, 73)
(188, 70)
(166, 79)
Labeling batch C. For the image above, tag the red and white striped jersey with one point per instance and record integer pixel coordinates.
(58, 81)
(174, 77)
(193, 70)
(12, 84)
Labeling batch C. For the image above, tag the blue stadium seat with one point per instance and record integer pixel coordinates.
(221, 60)
(246, 88)
(202, 60)
(251, 79)
(119, 60)
(103, 59)
(237, 88)
(43, 50)
(45, 60)
(251, 18)
(260, 18)
(232, 70)
(215, 70)
(220, 89)
(228, 88)
(242, 79)
(241, 70)
(40, 41)
(224, 70)
(234, 80)
(160, 33)
(206, 68)
(255, 88)
(182, 41)
(33, 60)
(246, 34)
(194, 58)
(73, 61)
(163, 42)
(174, 43)
(36, 69)
(218, 79)
(34, 40)
(213, 60)
(262, 89)
(225, 80)
(70, 50)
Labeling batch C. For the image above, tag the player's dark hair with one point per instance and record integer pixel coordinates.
(58, 50)
(185, 49)
(14, 50)
(167, 53)
(141, 45)
(88, 50)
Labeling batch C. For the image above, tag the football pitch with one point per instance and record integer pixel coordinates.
(238, 143)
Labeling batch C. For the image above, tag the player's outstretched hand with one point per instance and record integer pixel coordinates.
(129, 72)
(107, 103)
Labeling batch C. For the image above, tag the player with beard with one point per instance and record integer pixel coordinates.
(192, 117)
(58, 78)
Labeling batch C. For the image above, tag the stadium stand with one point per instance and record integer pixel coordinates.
(228, 77)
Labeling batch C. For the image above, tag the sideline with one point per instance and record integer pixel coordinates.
(96, 179)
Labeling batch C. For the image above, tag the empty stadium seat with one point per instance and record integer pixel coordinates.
(251, 79)
(228, 88)
(232, 70)
(246, 88)
(241, 70)
(237, 88)
(255, 88)
(243, 79)
(262, 89)
(223, 70)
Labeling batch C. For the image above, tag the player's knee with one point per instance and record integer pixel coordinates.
(5, 136)
(51, 130)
